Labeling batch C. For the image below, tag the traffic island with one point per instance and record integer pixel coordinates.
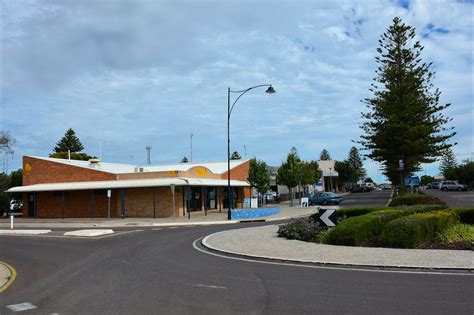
(263, 243)
(7, 275)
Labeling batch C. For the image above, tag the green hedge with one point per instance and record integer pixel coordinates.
(465, 215)
(362, 230)
(422, 208)
(350, 212)
(411, 231)
(415, 199)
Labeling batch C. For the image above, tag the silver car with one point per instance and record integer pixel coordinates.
(451, 185)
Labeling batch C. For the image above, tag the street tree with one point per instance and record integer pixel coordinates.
(310, 174)
(69, 142)
(289, 173)
(324, 156)
(345, 173)
(426, 179)
(448, 164)
(355, 161)
(235, 156)
(405, 120)
(184, 160)
(7, 142)
(259, 177)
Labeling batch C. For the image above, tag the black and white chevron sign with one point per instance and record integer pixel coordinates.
(327, 217)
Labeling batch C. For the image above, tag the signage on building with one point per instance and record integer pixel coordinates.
(319, 185)
(109, 193)
(201, 171)
(246, 202)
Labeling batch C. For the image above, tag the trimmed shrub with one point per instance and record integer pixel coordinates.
(301, 229)
(457, 233)
(362, 230)
(415, 199)
(411, 231)
(423, 208)
(350, 212)
(465, 215)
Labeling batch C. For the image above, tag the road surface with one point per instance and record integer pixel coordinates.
(157, 270)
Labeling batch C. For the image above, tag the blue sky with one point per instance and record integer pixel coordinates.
(134, 73)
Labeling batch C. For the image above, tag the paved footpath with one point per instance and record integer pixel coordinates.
(286, 212)
(262, 242)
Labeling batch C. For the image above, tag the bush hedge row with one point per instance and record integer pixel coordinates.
(412, 230)
(465, 215)
(362, 230)
(350, 212)
(415, 199)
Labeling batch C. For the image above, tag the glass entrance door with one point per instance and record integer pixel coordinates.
(194, 199)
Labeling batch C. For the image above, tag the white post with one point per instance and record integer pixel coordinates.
(11, 221)
(109, 194)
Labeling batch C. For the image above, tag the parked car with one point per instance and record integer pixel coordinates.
(359, 188)
(385, 186)
(452, 185)
(324, 198)
(433, 185)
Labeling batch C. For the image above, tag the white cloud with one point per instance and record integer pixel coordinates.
(151, 72)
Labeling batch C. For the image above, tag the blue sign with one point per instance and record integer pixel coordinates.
(246, 203)
(412, 181)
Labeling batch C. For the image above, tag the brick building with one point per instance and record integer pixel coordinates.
(61, 188)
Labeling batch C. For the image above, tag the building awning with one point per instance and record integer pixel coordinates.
(127, 183)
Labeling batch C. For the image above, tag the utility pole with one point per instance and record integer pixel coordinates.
(245, 150)
(192, 146)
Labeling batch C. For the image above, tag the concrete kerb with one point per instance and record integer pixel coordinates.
(261, 257)
(7, 275)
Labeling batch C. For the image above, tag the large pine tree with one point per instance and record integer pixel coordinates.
(69, 142)
(448, 164)
(405, 120)
(324, 155)
(355, 162)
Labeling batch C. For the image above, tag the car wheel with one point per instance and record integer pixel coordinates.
(445, 188)
(325, 202)
(459, 189)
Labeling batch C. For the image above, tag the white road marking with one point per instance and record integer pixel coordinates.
(209, 286)
(21, 307)
(89, 233)
(156, 229)
(325, 267)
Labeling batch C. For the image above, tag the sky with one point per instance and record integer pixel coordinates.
(127, 74)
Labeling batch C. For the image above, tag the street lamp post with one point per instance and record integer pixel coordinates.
(270, 90)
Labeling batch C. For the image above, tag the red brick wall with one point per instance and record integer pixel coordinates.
(37, 171)
(240, 172)
(78, 204)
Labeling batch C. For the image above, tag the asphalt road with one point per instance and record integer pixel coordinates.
(372, 199)
(158, 271)
(453, 198)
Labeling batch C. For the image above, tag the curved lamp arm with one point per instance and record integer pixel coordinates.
(242, 92)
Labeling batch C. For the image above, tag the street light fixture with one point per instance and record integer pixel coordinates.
(270, 90)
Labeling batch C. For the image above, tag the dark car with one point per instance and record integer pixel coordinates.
(325, 198)
(359, 188)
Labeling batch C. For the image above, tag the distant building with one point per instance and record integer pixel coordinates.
(328, 176)
(55, 188)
